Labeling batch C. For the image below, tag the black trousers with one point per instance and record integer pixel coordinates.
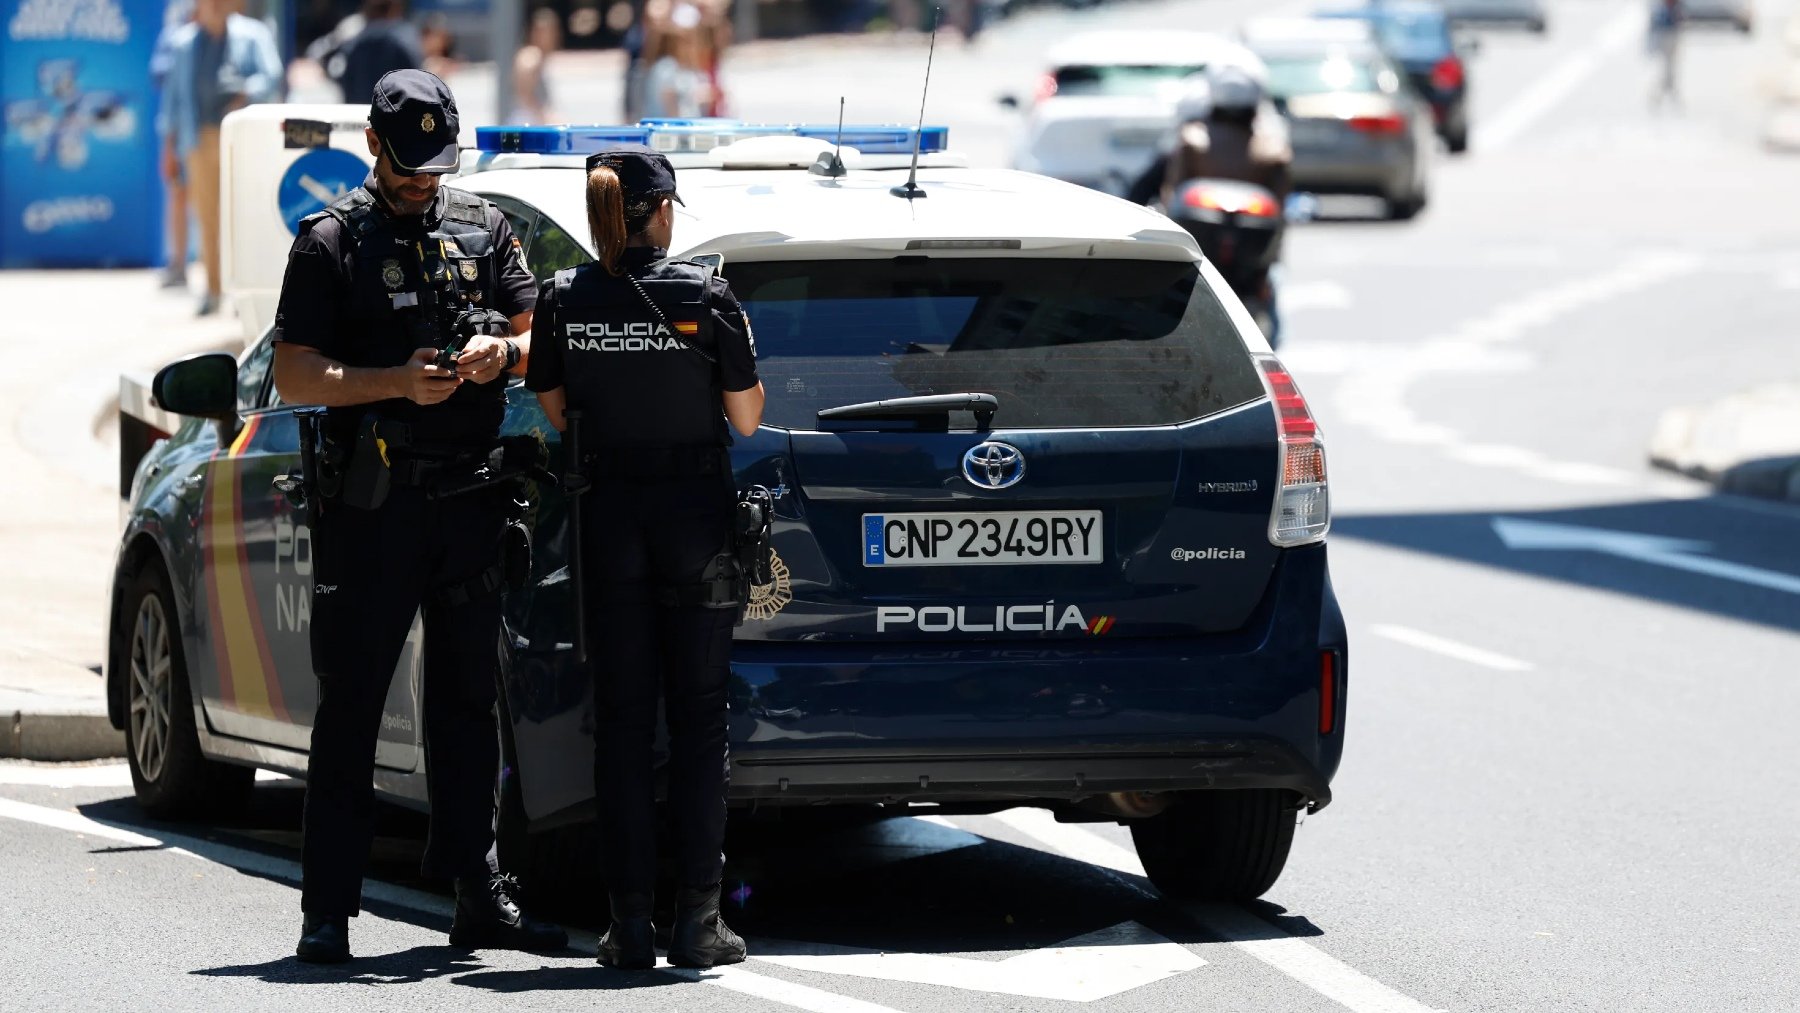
(374, 570)
(640, 537)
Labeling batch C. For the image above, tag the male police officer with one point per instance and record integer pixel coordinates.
(377, 286)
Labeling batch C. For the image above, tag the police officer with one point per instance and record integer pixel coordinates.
(656, 356)
(377, 285)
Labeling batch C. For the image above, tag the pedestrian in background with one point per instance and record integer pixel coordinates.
(175, 191)
(386, 43)
(378, 285)
(676, 81)
(439, 43)
(531, 87)
(1665, 46)
(218, 63)
(658, 562)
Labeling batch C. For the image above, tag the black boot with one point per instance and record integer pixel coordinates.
(629, 943)
(487, 917)
(702, 939)
(323, 939)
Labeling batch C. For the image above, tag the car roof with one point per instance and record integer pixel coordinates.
(786, 214)
(1146, 48)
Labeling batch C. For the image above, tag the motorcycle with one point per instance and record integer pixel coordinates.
(1239, 227)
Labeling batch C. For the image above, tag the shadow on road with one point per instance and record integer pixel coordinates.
(421, 963)
(1707, 554)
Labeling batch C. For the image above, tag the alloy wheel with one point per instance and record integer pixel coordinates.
(151, 688)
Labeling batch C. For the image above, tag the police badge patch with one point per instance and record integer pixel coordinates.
(427, 123)
(469, 270)
(391, 275)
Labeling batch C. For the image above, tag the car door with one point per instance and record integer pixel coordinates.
(257, 583)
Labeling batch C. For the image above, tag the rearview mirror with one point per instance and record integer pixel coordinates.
(204, 386)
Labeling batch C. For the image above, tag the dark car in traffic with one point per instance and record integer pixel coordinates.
(1416, 35)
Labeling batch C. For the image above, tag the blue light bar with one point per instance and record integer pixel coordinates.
(701, 135)
(557, 140)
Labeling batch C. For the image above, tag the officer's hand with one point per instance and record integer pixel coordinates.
(482, 359)
(424, 382)
(171, 164)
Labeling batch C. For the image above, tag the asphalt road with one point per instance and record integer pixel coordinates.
(1570, 732)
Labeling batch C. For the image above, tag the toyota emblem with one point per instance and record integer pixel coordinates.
(993, 466)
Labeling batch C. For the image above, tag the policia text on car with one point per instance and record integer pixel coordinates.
(412, 502)
(643, 360)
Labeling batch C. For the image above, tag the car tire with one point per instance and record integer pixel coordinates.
(1401, 209)
(1458, 141)
(173, 779)
(1223, 845)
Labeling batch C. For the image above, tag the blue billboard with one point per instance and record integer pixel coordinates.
(78, 167)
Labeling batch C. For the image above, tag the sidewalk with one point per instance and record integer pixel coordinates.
(60, 516)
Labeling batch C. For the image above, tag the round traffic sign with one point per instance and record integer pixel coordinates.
(317, 178)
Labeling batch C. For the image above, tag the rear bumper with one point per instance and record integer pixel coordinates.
(1390, 170)
(1004, 771)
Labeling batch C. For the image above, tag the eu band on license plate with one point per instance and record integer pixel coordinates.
(1011, 538)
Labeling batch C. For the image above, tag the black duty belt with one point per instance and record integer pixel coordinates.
(653, 463)
(418, 466)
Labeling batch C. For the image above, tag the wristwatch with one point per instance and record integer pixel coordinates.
(512, 352)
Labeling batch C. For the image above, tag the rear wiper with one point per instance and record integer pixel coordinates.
(983, 405)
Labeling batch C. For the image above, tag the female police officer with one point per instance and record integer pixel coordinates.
(655, 356)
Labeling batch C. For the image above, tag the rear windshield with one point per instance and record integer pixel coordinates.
(1060, 343)
(1318, 75)
(1120, 80)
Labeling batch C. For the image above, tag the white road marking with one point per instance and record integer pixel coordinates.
(99, 775)
(1292, 956)
(1450, 648)
(1657, 550)
(735, 979)
(1373, 395)
(1624, 27)
(1094, 966)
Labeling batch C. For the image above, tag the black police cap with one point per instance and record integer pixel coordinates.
(414, 115)
(641, 171)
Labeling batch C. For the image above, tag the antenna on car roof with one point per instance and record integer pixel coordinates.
(911, 190)
(832, 163)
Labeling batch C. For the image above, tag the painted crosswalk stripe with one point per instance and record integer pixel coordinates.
(1296, 958)
(1450, 648)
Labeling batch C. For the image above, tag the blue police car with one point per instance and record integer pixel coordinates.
(1050, 522)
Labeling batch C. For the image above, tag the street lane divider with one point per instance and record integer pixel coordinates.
(1627, 23)
(1450, 648)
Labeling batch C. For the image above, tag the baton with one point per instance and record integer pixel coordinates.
(575, 485)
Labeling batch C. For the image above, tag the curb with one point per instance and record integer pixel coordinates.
(1711, 444)
(29, 736)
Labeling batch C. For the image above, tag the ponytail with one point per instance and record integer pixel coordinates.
(606, 216)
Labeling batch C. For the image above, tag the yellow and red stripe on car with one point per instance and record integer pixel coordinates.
(247, 678)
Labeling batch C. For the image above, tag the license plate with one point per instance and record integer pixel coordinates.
(974, 539)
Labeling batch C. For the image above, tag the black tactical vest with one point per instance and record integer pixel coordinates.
(409, 279)
(640, 361)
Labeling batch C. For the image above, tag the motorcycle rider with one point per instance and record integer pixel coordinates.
(1227, 139)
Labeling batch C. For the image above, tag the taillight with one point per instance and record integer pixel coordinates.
(1327, 692)
(1207, 199)
(1302, 511)
(1388, 125)
(1046, 87)
(1448, 74)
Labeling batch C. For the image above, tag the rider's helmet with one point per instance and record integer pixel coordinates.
(1235, 92)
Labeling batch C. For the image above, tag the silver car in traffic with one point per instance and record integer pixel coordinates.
(1356, 125)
